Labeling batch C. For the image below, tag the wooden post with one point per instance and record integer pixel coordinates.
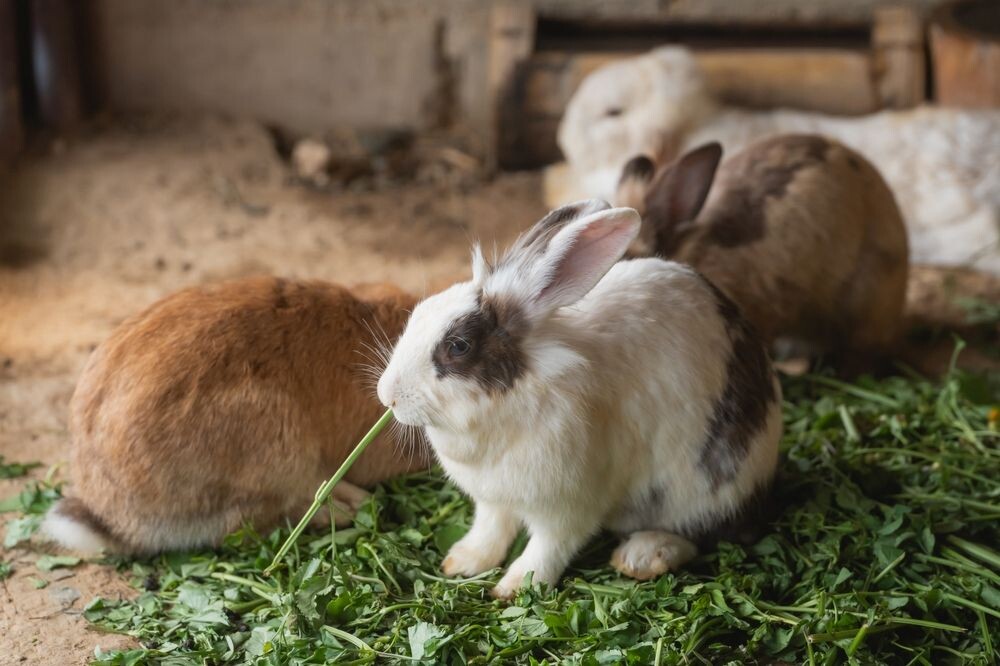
(11, 123)
(898, 57)
(966, 54)
(511, 41)
(55, 63)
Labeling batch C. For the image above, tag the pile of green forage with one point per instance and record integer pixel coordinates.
(885, 550)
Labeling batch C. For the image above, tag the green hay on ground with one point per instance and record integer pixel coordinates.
(885, 551)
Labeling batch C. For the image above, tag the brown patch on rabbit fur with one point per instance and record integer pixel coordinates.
(227, 404)
(494, 332)
(830, 262)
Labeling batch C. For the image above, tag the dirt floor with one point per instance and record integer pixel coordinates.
(96, 229)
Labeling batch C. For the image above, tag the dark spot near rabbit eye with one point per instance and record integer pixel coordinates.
(613, 112)
(854, 162)
(493, 334)
(741, 412)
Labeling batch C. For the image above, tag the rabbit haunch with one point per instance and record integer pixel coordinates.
(226, 404)
(942, 164)
(565, 391)
(800, 231)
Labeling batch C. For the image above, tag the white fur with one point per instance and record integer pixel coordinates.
(616, 398)
(71, 534)
(942, 164)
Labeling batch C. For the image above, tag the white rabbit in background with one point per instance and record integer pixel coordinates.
(565, 391)
(942, 164)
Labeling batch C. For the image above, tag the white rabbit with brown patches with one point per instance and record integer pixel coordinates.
(800, 231)
(566, 391)
(943, 165)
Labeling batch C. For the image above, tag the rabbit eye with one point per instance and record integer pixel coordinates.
(613, 112)
(458, 347)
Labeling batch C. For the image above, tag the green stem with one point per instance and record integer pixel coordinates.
(325, 490)
(263, 590)
(983, 553)
(856, 391)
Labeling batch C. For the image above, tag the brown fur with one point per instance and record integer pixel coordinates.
(493, 333)
(227, 404)
(803, 234)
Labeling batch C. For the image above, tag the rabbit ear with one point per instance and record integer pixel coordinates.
(529, 246)
(577, 258)
(679, 191)
(535, 240)
(634, 181)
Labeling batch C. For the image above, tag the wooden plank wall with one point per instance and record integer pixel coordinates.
(886, 73)
(11, 123)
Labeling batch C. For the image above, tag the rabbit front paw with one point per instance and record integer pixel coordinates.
(470, 559)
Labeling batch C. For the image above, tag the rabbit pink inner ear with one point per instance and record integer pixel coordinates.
(678, 193)
(582, 253)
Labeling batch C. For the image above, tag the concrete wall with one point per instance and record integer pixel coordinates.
(305, 64)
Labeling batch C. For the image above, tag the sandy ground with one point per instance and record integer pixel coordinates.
(98, 229)
(126, 215)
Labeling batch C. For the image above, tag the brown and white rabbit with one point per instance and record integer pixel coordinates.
(565, 391)
(800, 231)
(227, 404)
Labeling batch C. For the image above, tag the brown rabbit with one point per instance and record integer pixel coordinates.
(800, 231)
(227, 404)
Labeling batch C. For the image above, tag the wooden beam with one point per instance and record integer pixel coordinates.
(966, 54)
(511, 41)
(898, 57)
(11, 122)
(55, 63)
(828, 80)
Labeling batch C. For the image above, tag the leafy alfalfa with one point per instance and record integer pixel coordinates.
(324, 491)
(15, 470)
(882, 552)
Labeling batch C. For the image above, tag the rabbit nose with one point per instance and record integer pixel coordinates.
(387, 391)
